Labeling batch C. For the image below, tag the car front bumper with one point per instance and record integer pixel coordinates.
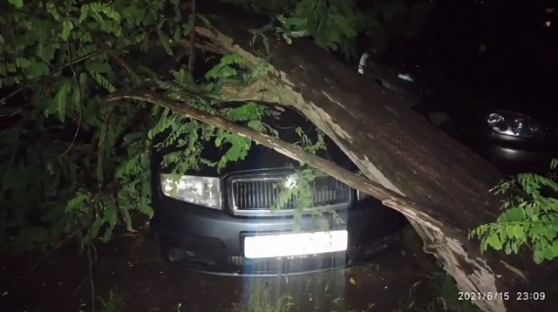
(510, 156)
(211, 241)
(517, 155)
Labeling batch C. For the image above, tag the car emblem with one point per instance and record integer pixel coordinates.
(291, 181)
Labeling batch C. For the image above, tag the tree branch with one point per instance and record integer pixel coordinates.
(388, 197)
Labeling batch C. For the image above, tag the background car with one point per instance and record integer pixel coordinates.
(500, 108)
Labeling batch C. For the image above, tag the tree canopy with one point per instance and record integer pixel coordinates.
(70, 159)
(88, 87)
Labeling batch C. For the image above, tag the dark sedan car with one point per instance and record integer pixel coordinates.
(510, 122)
(223, 223)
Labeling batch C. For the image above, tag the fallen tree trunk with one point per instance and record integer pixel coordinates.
(393, 146)
(440, 185)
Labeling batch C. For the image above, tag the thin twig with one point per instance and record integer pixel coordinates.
(101, 151)
(80, 104)
(90, 272)
(192, 55)
(81, 283)
(52, 72)
(91, 258)
(16, 112)
(60, 244)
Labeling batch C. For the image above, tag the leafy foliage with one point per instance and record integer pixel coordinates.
(336, 24)
(529, 217)
(72, 163)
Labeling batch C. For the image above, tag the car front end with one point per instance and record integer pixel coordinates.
(512, 141)
(517, 141)
(227, 225)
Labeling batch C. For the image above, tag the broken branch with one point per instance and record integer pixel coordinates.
(388, 197)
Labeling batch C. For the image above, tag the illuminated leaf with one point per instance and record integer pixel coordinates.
(61, 99)
(494, 241)
(67, 27)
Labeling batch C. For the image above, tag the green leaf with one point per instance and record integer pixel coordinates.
(37, 69)
(46, 51)
(515, 247)
(83, 81)
(67, 27)
(295, 21)
(165, 42)
(98, 67)
(177, 34)
(538, 256)
(515, 214)
(111, 216)
(266, 45)
(219, 140)
(519, 232)
(548, 252)
(297, 215)
(103, 82)
(505, 235)
(508, 249)
(17, 3)
(61, 99)
(204, 20)
(287, 38)
(234, 152)
(84, 13)
(127, 219)
(108, 235)
(95, 227)
(494, 241)
(555, 247)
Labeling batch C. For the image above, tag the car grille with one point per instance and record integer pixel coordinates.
(261, 192)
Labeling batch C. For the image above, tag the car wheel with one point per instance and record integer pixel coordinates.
(168, 253)
(162, 248)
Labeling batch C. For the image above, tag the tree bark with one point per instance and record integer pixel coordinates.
(441, 186)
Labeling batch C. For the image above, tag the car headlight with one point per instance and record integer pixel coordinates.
(203, 191)
(513, 124)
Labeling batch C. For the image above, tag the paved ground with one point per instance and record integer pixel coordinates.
(130, 275)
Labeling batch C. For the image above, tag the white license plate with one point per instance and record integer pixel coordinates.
(294, 244)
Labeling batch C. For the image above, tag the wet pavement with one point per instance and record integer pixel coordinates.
(131, 271)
